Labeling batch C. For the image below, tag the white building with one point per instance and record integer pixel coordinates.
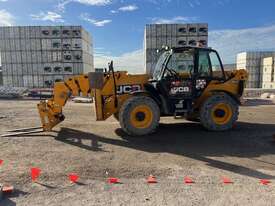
(268, 73)
(252, 62)
(172, 35)
(38, 56)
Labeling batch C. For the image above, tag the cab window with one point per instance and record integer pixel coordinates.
(204, 64)
(182, 62)
(217, 71)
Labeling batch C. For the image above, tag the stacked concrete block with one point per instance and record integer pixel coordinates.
(1, 77)
(12, 92)
(172, 35)
(252, 62)
(268, 76)
(38, 56)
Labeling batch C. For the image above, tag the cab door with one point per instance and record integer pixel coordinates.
(209, 68)
(177, 82)
(178, 74)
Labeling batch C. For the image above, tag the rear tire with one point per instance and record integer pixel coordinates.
(139, 116)
(219, 112)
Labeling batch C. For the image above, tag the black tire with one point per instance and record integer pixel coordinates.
(207, 112)
(129, 106)
(116, 116)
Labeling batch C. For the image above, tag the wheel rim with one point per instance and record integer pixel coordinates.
(141, 116)
(221, 113)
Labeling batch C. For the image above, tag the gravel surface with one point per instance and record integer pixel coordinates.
(97, 150)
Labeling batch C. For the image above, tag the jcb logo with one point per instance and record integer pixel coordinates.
(176, 90)
(126, 89)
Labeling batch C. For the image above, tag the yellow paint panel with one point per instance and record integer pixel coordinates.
(231, 86)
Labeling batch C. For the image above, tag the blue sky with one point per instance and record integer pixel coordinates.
(117, 26)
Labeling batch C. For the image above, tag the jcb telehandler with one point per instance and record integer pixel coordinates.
(187, 82)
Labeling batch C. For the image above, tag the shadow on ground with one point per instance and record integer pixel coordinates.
(247, 140)
(6, 201)
(258, 102)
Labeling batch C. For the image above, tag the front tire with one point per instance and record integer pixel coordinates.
(139, 116)
(219, 112)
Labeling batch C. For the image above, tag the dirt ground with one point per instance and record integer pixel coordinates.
(97, 150)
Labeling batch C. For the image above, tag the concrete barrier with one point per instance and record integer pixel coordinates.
(257, 93)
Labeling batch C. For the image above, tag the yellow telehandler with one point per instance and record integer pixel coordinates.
(187, 82)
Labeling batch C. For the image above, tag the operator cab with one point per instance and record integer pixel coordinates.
(182, 74)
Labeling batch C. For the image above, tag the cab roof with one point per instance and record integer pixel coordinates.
(192, 47)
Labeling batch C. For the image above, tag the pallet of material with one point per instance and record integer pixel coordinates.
(13, 92)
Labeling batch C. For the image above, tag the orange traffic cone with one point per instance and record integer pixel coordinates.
(265, 182)
(226, 180)
(188, 180)
(113, 180)
(151, 179)
(7, 189)
(35, 173)
(73, 178)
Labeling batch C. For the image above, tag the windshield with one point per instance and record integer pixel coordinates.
(182, 62)
(160, 64)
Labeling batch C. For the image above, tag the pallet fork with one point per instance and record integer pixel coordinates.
(22, 131)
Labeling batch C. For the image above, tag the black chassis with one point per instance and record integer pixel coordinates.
(159, 90)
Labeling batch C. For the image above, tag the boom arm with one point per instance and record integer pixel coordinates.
(50, 111)
(102, 86)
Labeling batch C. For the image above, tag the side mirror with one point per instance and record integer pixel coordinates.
(111, 67)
